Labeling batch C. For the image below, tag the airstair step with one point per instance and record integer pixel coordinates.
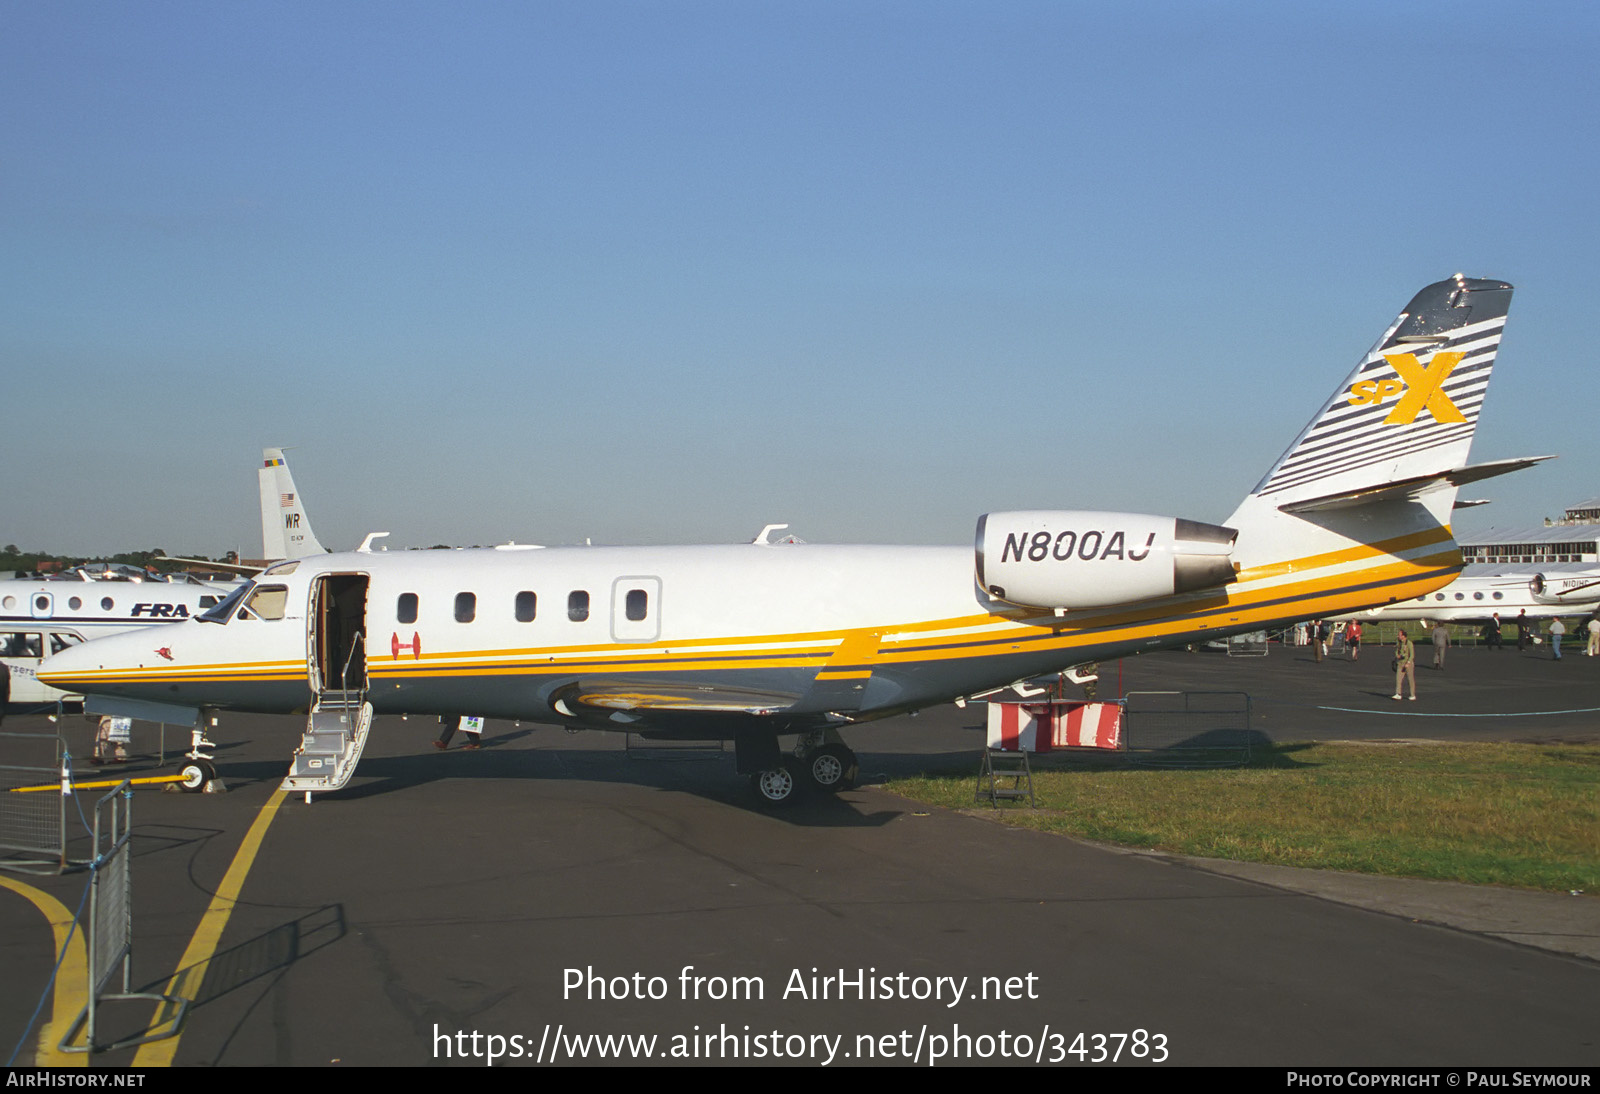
(335, 736)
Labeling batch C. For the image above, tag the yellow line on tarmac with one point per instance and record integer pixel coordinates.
(72, 979)
(185, 983)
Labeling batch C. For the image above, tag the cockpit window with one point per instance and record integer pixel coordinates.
(269, 601)
(224, 611)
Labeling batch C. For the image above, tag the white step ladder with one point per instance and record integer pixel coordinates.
(336, 732)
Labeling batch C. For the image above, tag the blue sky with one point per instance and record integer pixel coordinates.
(665, 272)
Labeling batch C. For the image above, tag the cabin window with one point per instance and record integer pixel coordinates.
(578, 605)
(638, 604)
(1477, 596)
(1499, 596)
(74, 603)
(466, 607)
(106, 603)
(527, 607)
(405, 608)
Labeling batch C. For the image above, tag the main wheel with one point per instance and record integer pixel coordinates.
(776, 786)
(196, 775)
(832, 768)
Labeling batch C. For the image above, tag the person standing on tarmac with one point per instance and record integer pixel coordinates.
(1441, 642)
(1405, 665)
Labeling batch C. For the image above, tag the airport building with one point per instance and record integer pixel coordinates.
(1574, 538)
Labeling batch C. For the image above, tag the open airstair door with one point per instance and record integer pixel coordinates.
(336, 729)
(338, 660)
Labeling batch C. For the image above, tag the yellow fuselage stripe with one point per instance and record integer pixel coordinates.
(913, 642)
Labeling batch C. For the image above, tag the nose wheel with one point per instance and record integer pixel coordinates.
(196, 775)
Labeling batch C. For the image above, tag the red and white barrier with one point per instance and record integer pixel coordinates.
(1057, 723)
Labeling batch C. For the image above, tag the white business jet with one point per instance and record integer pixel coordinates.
(1487, 589)
(754, 641)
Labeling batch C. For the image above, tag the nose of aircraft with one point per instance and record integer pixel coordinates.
(93, 666)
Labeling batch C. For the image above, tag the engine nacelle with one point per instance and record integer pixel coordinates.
(1040, 558)
(1579, 590)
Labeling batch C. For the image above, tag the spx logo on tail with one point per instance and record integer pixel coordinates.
(1423, 387)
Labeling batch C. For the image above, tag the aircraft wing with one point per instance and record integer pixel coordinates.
(226, 567)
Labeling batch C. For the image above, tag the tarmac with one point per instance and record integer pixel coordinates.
(539, 890)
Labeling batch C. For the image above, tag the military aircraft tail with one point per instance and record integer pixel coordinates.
(285, 528)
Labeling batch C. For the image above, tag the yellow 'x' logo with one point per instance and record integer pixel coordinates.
(1423, 388)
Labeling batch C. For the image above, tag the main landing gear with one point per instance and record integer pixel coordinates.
(821, 763)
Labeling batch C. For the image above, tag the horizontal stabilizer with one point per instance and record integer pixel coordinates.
(1413, 487)
(1480, 471)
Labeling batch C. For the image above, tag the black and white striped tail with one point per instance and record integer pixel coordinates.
(1411, 405)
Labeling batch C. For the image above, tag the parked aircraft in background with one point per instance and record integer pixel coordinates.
(285, 527)
(754, 641)
(1562, 588)
(42, 616)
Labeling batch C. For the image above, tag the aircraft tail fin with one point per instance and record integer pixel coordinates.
(1357, 512)
(1408, 411)
(285, 528)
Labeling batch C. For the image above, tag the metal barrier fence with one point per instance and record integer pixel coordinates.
(33, 827)
(1253, 644)
(1187, 728)
(110, 927)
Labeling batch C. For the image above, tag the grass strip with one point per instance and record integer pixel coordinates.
(1524, 815)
